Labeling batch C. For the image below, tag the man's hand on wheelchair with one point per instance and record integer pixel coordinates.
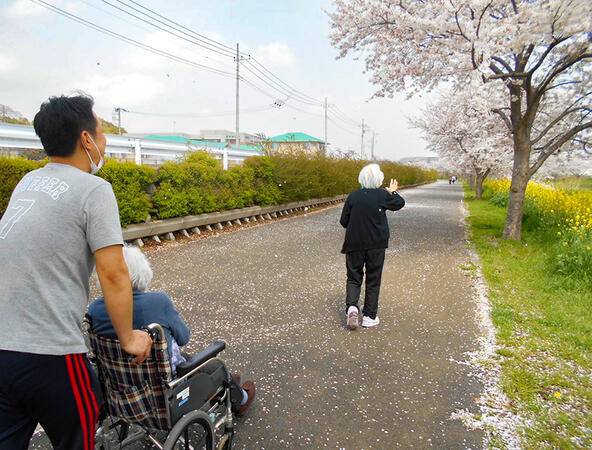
(138, 345)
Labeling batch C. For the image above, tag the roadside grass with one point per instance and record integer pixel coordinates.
(544, 331)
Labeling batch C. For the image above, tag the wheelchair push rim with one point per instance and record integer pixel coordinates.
(194, 430)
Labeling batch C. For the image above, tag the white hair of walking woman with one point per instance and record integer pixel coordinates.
(371, 177)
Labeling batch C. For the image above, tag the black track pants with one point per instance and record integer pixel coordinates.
(59, 392)
(355, 262)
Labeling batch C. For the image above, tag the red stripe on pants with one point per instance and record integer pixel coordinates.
(79, 405)
(92, 394)
(84, 388)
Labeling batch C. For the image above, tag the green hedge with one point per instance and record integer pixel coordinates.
(11, 172)
(130, 184)
(303, 176)
(197, 184)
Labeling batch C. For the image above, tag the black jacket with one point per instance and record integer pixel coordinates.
(364, 218)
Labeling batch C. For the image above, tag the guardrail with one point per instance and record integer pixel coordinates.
(191, 224)
(142, 151)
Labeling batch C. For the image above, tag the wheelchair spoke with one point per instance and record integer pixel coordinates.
(193, 437)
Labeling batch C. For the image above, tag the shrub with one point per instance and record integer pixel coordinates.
(171, 197)
(189, 186)
(130, 183)
(500, 199)
(266, 191)
(11, 172)
(301, 176)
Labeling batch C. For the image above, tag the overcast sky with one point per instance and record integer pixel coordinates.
(44, 54)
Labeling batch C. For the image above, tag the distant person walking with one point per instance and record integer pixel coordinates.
(366, 238)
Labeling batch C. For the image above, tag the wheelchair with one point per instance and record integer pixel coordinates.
(145, 403)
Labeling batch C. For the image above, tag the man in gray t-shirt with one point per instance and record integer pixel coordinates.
(60, 221)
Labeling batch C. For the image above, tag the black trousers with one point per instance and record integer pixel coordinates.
(59, 392)
(373, 260)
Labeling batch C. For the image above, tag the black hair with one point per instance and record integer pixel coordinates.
(60, 121)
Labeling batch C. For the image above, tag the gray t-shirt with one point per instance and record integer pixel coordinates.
(57, 217)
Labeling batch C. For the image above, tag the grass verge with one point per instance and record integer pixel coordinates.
(544, 332)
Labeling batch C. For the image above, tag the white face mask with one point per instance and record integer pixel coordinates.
(94, 168)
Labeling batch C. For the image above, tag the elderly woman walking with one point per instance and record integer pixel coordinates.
(366, 238)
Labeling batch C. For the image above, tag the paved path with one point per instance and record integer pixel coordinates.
(276, 292)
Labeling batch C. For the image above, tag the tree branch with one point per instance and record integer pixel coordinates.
(568, 135)
(503, 63)
(507, 75)
(462, 33)
(554, 122)
(504, 117)
(558, 70)
(546, 53)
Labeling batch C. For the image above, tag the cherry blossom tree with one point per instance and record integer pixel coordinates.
(540, 50)
(463, 130)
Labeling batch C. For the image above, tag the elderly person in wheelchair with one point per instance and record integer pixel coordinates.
(171, 390)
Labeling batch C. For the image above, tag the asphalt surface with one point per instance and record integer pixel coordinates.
(276, 293)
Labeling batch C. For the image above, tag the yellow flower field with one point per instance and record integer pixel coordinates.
(569, 211)
(567, 216)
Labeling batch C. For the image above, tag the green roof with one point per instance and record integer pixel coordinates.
(206, 144)
(167, 138)
(295, 137)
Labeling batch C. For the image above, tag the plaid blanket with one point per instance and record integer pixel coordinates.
(134, 392)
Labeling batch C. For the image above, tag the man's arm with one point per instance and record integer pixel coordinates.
(117, 290)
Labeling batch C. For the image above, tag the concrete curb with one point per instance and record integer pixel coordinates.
(191, 224)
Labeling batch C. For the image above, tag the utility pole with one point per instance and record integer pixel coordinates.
(325, 125)
(364, 128)
(372, 151)
(238, 60)
(237, 78)
(118, 112)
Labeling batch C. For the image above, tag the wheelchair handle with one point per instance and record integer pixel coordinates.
(155, 330)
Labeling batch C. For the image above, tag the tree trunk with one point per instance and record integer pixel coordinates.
(520, 177)
(479, 179)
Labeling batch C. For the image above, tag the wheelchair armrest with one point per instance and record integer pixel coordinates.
(197, 360)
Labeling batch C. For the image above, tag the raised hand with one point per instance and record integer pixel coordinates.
(393, 186)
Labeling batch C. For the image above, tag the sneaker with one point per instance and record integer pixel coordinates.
(352, 317)
(249, 387)
(367, 322)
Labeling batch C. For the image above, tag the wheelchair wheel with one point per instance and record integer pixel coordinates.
(194, 430)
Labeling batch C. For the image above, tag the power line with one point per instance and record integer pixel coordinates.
(218, 48)
(342, 115)
(286, 84)
(196, 41)
(219, 44)
(342, 128)
(259, 70)
(263, 74)
(130, 40)
(277, 87)
(294, 93)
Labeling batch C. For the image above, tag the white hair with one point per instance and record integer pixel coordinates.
(139, 268)
(371, 176)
